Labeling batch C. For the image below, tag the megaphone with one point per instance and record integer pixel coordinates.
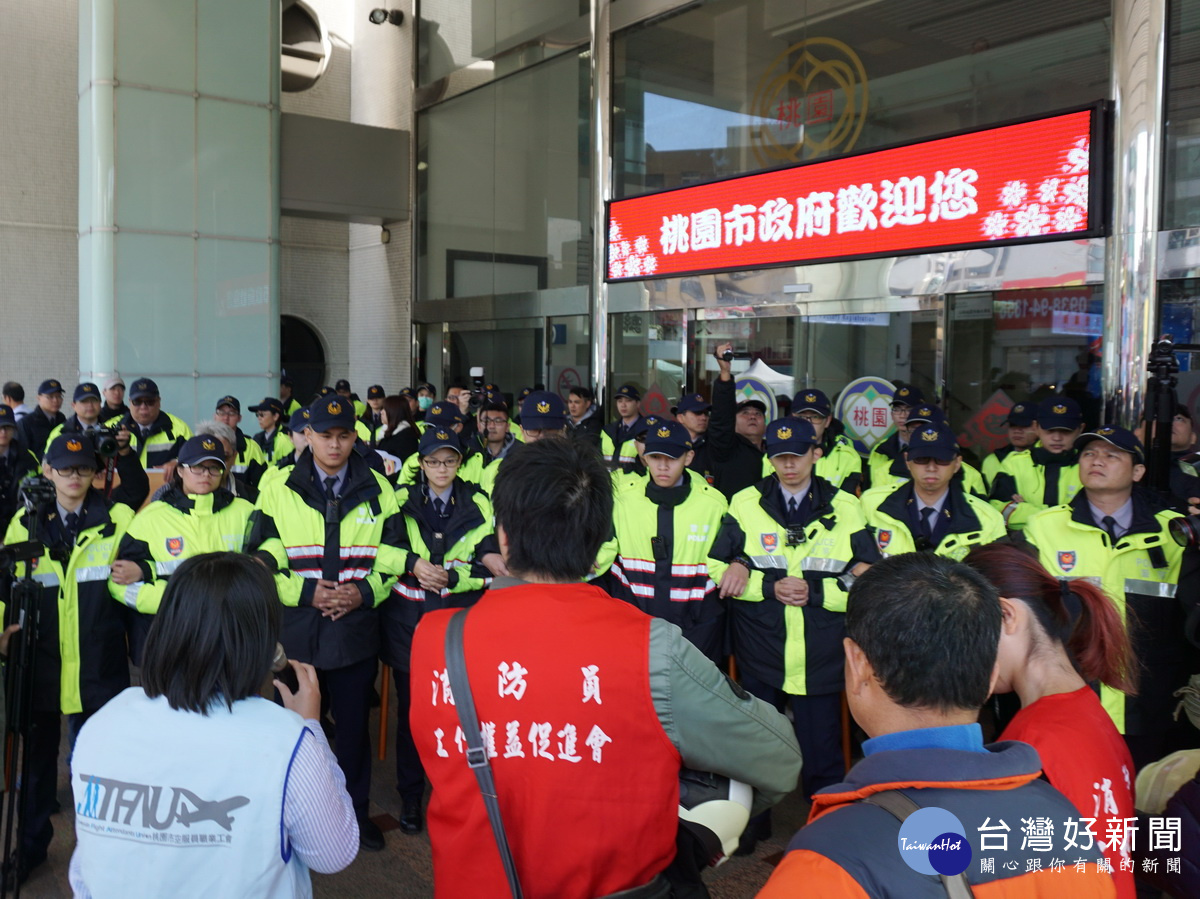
(715, 809)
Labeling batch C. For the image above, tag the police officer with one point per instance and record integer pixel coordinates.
(16, 462)
(803, 541)
(1047, 473)
(272, 437)
(494, 439)
(448, 525)
(920, 416)
(332, 534)
(616, 437)
(1120, 537)
(81, 658)
(444, 416)
(297, 429)
(1021, 436)
(251, 461)
(157, 435)
(195, 514)
(930, 511)
(291, 405)
(37, 425)
(543, 415)
(85, 411)
(662, 535)
(694, 413)
(342, 389)
(840, 464)
(886, 452)
(370, 424)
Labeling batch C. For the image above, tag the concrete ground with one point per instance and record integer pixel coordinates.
(403, 869)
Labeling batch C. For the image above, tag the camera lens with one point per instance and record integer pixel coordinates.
(727, 355)
(1185, 531)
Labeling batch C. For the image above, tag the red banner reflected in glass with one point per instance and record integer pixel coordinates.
(1013, 183)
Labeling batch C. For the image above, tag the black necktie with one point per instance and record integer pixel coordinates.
(145, 433)
(1110, 525)
(439, 507)
(927, 523)
(72, 523)
(793, 509)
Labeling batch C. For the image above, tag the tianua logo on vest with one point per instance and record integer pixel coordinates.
(145, 813)
(933, 841)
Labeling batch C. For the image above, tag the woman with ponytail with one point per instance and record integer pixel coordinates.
(1057, 638)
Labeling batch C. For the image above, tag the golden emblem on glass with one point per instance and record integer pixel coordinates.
(811, 102)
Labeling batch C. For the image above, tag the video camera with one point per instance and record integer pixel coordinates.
(104, 441)
(1161, 402)
(476, 387)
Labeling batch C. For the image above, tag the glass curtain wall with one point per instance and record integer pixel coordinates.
(1181, 169)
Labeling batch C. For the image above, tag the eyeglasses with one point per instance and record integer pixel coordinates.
(76, 471)
(440, 463)
(494, 421)
(811, 417)
(212, 471)
(144, 401)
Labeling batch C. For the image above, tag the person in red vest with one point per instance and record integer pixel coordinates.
(588, 708)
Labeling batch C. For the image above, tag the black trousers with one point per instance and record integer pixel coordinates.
(348, 690)
(410, 773)
(818, 725)
(38, 795)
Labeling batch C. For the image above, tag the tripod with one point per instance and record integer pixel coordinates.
(23, 608)
(1161, 401)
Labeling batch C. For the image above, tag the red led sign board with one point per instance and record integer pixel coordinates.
(1014, 183)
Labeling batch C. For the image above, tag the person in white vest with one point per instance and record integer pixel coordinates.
(194, 785)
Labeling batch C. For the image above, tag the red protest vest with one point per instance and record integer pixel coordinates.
(587, 779)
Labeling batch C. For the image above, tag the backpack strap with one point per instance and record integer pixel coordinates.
(900, 806)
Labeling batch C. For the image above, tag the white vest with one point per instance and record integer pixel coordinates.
(172, 803)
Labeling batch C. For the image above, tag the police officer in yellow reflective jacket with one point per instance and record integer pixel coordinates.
(1021, 436)
(930, 511)
(884, 453)
(616, 437)
(446, 416)
(81, 661)
(662, 536)
(448, 530)
(967, 476)
(196, 514)
(1117, 535)
(331, 533)
(250, 463)
(272, 437)
(156, 434)
(803, 540)
(1046, 474)
(840, 464)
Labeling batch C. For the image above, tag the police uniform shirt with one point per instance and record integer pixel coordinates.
(795, 505)
(437, 516)
(339, 479)
(1122, 519)
(68, 523)
(934, 517)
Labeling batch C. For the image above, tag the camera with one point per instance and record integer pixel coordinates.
(796, 535)
(727, 355)
(1185, 531)
(37, 491)
(477, 385)
(104, 441)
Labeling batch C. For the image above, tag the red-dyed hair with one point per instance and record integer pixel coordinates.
(1093, 635)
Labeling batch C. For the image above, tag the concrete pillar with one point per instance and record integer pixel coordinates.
(178, 197)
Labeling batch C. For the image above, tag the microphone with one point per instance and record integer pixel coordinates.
(283, 671)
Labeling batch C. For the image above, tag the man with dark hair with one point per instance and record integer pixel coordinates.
(272, 437)
(37, 425)
(155, 433)
(13, 396)
(735, 432)
(1021, 435)
(918, 698)
(583, 415)
(840, 464)
(250, 462)
(596, 707)
(495, 439)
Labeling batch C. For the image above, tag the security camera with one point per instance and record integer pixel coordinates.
(379, 16)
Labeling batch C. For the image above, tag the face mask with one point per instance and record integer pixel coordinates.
(424, 402)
